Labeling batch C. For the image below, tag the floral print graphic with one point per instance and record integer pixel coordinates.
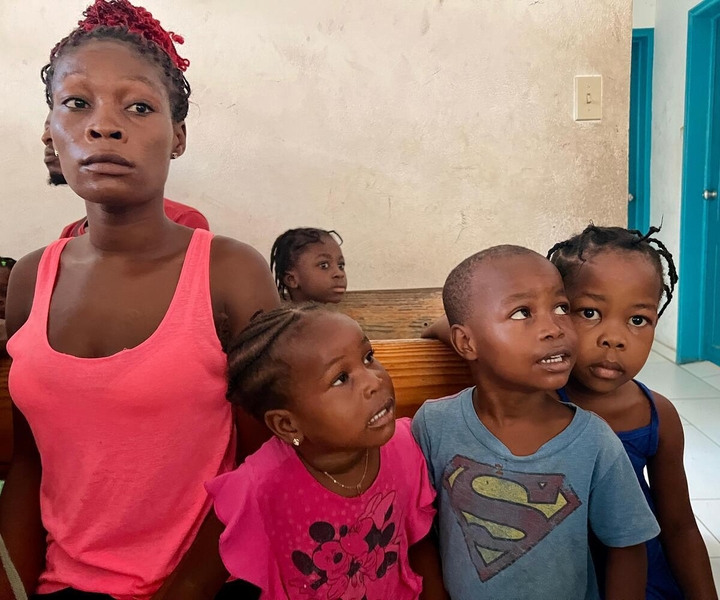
(349, 557)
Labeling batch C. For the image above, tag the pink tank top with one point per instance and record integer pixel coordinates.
(126, 441)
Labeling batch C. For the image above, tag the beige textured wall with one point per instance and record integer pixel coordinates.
(422, 130)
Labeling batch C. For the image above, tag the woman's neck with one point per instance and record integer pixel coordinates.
(139, 229)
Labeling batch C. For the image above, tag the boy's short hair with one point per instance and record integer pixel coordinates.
(457, 290)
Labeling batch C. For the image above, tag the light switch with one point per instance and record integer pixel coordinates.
(588, 98)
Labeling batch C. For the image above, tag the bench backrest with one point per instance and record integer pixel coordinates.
(421, 370)
(393, 314)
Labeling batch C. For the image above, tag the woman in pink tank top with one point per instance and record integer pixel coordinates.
(118, 375)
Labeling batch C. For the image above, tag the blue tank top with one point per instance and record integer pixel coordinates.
(640, 445)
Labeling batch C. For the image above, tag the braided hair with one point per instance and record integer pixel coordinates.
(570, 255)
(288, 248)
(257, 377)
(121, 21)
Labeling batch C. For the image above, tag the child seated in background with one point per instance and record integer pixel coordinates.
(521, 477)
(338, 504)
(309, 266)
(6, 265)
(615, 282)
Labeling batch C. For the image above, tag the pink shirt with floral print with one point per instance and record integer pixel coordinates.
(295, 539)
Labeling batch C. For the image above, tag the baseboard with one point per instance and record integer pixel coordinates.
(665, 351)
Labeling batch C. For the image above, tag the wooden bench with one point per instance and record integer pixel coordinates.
(420, 369)
(393, 314)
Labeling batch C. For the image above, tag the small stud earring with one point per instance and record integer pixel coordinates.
(296, 442)
(56, 153)
(174, 155)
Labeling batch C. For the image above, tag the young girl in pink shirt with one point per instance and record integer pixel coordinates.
(338, 503)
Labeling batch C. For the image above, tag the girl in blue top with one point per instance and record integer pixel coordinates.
(618, 288)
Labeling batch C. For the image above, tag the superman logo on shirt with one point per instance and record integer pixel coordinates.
(505, 514)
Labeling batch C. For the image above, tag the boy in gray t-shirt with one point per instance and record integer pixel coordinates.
(521, 478)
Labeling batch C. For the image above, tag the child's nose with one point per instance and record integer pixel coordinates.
(551, 328)
(612, 337)
(372, 382)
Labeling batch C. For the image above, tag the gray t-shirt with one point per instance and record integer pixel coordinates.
(516, 527)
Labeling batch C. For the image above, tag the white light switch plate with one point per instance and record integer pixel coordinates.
(588, 98)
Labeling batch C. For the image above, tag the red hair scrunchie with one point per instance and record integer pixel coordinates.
(136, 19)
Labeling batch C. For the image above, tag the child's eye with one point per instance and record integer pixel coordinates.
(520, 314)
(639, 321)
(590, 314)
(563, 309)
(341, 266)
(340, 379)
(370, 357)
(75, 103)
(324, 265)
(140, 108)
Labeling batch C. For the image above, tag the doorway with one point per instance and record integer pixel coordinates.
(641, 75)
(699, 306)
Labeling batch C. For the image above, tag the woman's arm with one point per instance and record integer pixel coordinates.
(626, 573)
(425, 561)
(683, 545)
(201, 573)
(241, 284)
(20, 522)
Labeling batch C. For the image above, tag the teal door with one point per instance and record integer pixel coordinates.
(711, 217)
(699, 308)
(640, 129)
(712, 274)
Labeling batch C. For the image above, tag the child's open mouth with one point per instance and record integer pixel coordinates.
(384, 416)
(556, 362)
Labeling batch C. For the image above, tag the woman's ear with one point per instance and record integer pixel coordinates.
(180, 142)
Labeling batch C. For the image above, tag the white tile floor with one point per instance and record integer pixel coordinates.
(695, 391)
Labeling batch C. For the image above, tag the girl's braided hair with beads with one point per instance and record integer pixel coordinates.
(257, 376)
(121, 21)
(570, 255)
(289, 246)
